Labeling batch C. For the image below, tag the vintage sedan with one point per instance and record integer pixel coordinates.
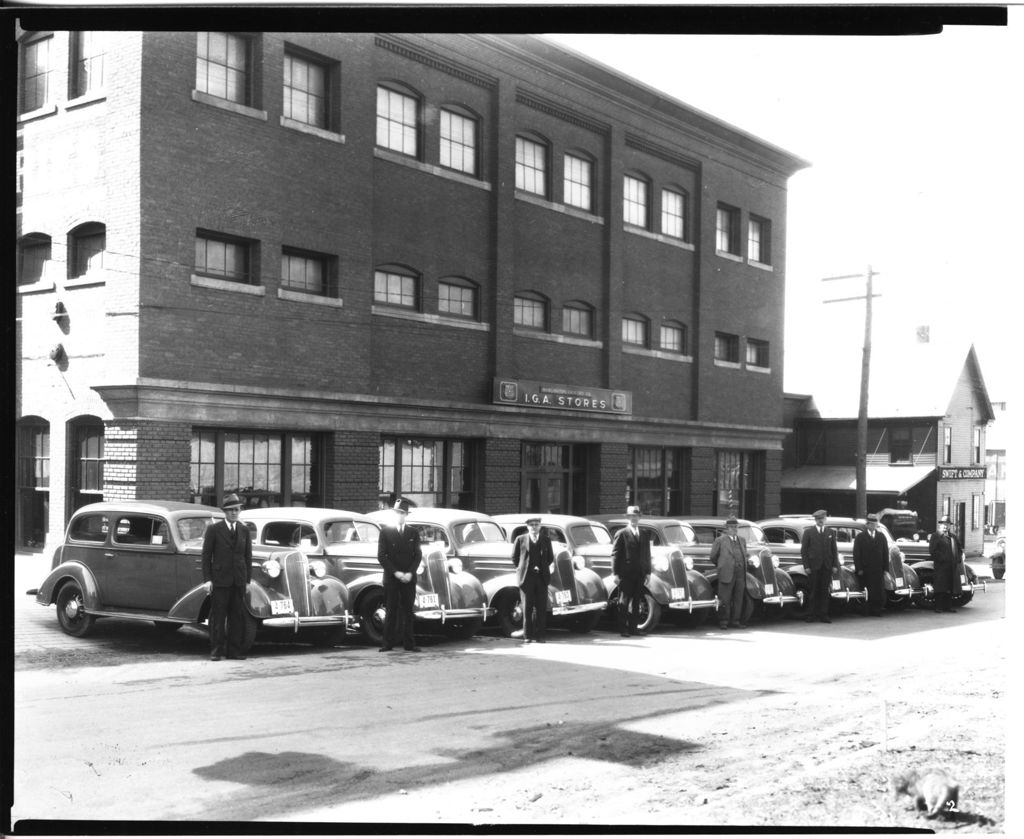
(142, 560)
(902, 584)
(576, 594)
(345, 544)
(674, 589)
(770, 589)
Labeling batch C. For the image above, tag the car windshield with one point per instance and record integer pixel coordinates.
(192, 528)
(339, 531)
(474, 532)
(588, 534)
(679, 534)
(751, 532)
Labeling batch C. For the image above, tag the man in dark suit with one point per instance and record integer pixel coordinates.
(399, 554)
(870, 556)
(820, 554)
(532, 554)
(945, 550)
(631, 566)
(227, 570)
(729, 554)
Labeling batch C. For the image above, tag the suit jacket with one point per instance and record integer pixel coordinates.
(631, 555)
(227, 559)
(521, 557)
(870, 553)
(818, 552)
(399, 552)
(727, 554)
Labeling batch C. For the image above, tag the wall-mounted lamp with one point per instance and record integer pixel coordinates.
(59, 311)
(57, 354)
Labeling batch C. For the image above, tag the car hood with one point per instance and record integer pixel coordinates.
(482, 549)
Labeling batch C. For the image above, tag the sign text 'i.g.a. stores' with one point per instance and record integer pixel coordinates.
(529, 394)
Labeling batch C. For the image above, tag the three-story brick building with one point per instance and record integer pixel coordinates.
(472, 270)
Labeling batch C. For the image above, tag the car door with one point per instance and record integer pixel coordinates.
(137, 568)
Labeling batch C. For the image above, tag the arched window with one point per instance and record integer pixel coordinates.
(457, 297)
(636, 200)
(674, 338)
(34, 251)
(530, 310)
(578, 184)
(86, 245)
(85, 461)
(33, 481)
(396, 285)
(398, 119)
(460, 141)
(578, 319)
(532, 164)
(673, 213)
(634, 330)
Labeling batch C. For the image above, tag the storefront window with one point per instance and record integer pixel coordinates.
(427, 472)
(33, 479)
(655, 480)
(739, 487)
(264, 469)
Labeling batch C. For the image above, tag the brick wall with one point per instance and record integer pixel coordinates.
(147, 460)
(352, 471)
(500, 476)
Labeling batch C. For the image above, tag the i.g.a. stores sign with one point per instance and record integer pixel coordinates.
(555, 397)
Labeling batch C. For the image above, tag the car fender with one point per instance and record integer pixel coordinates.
(76, 572)
(494, 586)
(329, 596)
(925, 570)
(660, 590)
(590, 586)
(466, 591)
(700, 586)
(755, 587)
(357, 586)
(785, 582)
(192, 606)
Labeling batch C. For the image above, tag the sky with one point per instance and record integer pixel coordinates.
(915, 151)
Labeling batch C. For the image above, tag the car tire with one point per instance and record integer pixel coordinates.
(371, 617)
(509, 610)
(71, 611)
(464, 629)
(963, 599)
(650, 614)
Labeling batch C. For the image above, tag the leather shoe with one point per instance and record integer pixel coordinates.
(236, 657)
(723, 626)
(540, 640)
(386, 648)
(825, 620)
(412, 649)
(809, 619)
(214, 658)
(950, 610)
(527, 640)
(743, 626)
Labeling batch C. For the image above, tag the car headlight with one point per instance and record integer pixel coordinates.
(688, 562)
(752, 561)
(660, 563)
(455, 565)
(272, 568)
(579, 562)
(318, 567)
(775, 561)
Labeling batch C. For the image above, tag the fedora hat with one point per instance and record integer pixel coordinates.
(632, 510)
(230, 500)
(401, 506)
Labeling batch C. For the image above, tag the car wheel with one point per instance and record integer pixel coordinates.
(167, 627)
(586, 622)
(899, 602)
(963, 599)
(371, 617)
(650, 614)
(71, 611)
(510, 613)
(461, 630)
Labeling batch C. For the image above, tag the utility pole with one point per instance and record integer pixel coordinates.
(865, 373)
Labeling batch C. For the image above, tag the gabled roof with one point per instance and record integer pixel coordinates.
(915, 380)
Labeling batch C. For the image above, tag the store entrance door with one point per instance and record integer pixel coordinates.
(544, 493)
(554, 478)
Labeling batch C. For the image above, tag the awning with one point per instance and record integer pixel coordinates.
(888, 479)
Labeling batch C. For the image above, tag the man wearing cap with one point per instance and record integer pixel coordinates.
(820, 554)
(945, 550)
(227, 569)
(631, 566)
(729, 554)
(399, 554)
(870, 556)
(533, 555)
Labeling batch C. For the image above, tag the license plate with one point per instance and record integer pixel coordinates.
(769, 588)
(563, 596)
(835, 585)
(899, 581)
(679, 594)
(281, 607)
(426, 601)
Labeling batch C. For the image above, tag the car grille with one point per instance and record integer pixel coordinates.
(764, 562)
(296, 578)
(437, 578)
(565, 578)
(897, 566)
(677, 574)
